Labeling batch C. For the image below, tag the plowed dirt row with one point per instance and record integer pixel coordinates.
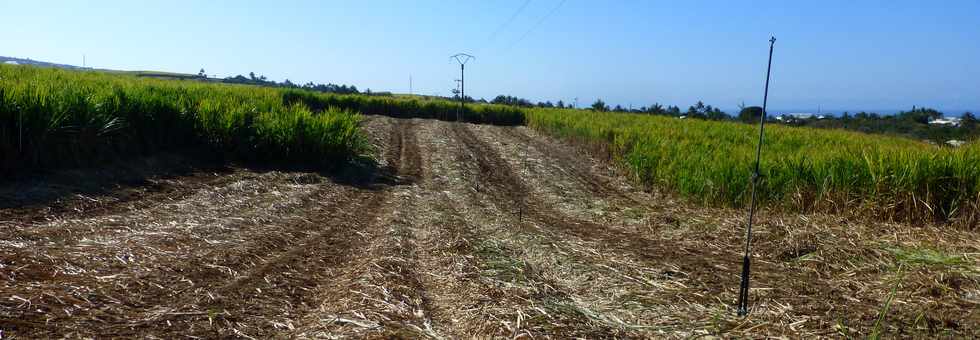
(460, 231)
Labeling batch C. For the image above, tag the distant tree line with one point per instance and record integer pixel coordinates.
(511, 101)
(914, 123)
(917, 123)
(252, 79)
(698, 111)
(517, 101)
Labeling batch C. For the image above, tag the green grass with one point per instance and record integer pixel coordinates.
(58, 118)
(51, 118)
(801, 168)
(410, 107)
(926, 257)
(879, 325)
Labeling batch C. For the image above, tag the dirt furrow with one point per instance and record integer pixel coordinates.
(564, 158)
(458, 231)
(180, 274)
(171, 270)
(544, 255)
(637, 254)
(638, 242)
(687, 249)
(272, 297)
(380, 291)
(481, 286)
(18, 223)
(346, 234)
(514, 190)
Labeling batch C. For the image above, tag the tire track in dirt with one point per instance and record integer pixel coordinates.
(511, 298)
(410, 164)
(283, 289)
(479, 287)
(268, 299)
(318, 260)
(172, 275)
(398, 247)
(381, 292)
(110, 274)
(655, 253)
(633, 241)
(291, 262)
(705, 271)
(20, 220)
(502, 186)
(605, 198)
(581, 171)
(700, 238)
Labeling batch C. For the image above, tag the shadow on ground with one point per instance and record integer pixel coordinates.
(27, 197)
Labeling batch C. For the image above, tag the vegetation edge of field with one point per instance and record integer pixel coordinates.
(53, 118)
(803, 169)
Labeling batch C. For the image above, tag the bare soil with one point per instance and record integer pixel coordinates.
(462, 231)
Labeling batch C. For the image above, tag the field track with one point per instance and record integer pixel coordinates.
(464, 231)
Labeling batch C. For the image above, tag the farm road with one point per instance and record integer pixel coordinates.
(467, 231)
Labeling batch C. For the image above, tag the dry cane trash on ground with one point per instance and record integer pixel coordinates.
(463, 231)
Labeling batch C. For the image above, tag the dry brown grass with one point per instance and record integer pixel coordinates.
(468, 231)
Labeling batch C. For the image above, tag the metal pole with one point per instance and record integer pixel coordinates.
(743, 291)
(462, 91)
(520, 211)
(461, 58)
(456, 92)
(20, 132)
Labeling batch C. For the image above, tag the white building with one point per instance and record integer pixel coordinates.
(949, 121)
(799, 115)
(955, 143)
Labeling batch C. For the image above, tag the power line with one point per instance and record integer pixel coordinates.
(540, 21)
(509, 20)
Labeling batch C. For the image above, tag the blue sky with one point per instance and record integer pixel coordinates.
(853, 55)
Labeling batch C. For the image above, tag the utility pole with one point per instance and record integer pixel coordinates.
(743, 291)
(455, 91)
(410, 92)
(461, 58)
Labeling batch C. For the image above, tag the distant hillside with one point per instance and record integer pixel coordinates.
(239, 79)
(20, 61)
(152, 74)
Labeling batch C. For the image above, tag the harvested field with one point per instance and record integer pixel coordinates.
(462, 231)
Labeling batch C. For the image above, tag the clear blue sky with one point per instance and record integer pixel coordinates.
(870, 55)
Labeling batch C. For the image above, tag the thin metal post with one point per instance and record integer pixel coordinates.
(523, 203)
(456, 92)
(743, 291)
(462, 91)
(20, 132)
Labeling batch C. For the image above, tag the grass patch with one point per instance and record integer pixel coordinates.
(499, 265)
(55, 118)
(52, 118)
(59, 118)
(802, 168)
(926, 257)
